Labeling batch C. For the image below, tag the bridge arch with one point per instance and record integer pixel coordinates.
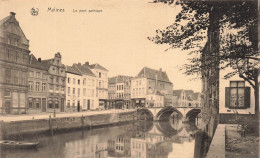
(167, 111)
(192, 114)
(143, 111)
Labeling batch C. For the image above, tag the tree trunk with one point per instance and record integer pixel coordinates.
(211, 74)
(256, 89)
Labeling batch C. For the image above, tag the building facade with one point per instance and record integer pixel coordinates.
(186, 98)
(38, 86)
(84, 87)
(73, 90)
(14, 60)
(155, 99)
(101, 74)
(235, 95)
(150, 80)
(56, 84)
(119, 91)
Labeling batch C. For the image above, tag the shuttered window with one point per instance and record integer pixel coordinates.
(237, 96)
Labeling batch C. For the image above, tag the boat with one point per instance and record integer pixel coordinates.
(18, 144)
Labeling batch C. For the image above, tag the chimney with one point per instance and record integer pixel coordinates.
(12, 13)
(79, 63)
(160, 70)
(40, 60)
(87, 63)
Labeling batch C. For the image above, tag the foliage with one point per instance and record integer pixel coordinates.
(190, 31)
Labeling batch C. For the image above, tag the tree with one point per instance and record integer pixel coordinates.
(199, 28)
(205, 21)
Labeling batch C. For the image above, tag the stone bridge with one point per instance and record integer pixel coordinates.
(158, 113)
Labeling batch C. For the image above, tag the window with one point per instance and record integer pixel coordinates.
(68, 104)
(73, 92)
(73, 103)
(62, 88)
(68, 80)
(84, 81)
(78, 82)
(57, 79)
(30, 104)
(43, 87)
(78, 92)
(68, 90)
(74, 80)
(37, 74)
(84, 91)
(51, 78)
(99, 74)
(30, 86)
(37, 86)
(237, 95)
(57, 88)
(37, 103)
(31, 74)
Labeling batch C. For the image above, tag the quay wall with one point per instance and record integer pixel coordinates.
(51, 125)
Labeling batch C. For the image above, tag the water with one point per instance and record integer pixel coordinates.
(143, 139)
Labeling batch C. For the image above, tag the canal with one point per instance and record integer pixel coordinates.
(142, 139)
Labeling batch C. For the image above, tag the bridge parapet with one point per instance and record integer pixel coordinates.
(184, 112)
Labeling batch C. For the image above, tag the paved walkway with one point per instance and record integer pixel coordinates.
(9, 118)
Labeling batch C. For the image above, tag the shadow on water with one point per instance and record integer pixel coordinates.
(146, 139)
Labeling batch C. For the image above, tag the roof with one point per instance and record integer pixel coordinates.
(151, 74)
(70, 69)
(189, 94)
(97, 66)
(177, 92)
(118, 79)
(34, 63)
(196, 95)
(83, 69)
(46, 63)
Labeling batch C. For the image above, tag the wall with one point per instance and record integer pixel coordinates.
(61, 124)
(226, 83)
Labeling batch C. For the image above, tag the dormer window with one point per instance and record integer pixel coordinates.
(58, 62)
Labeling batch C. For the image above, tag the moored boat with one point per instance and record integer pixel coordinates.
(18, 144)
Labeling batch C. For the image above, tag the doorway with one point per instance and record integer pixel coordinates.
(7, 107)
(88, 104)
(78, 106)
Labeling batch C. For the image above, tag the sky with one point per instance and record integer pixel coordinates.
(116, 37)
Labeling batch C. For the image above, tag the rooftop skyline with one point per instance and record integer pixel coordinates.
(115, 38)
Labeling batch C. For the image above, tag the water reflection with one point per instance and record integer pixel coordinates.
(144, 139)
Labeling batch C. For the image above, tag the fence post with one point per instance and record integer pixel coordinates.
(198, 144)
(3, 130)
(50, 124)
(82, 122)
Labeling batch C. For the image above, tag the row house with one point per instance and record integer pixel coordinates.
(119, 91)
(56, 83)
(101, 74)
(81, 88)
(149, 81)
(14, 60)
(38, 86)
(186, 98)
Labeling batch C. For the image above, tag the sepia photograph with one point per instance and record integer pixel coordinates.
(129, 79)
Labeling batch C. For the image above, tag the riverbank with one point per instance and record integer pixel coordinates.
(32, 124)
(228, 143)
